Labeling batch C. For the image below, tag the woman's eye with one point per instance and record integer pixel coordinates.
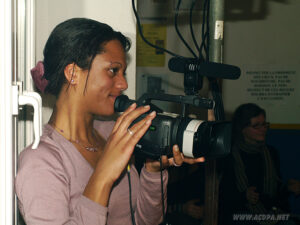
(113, 70)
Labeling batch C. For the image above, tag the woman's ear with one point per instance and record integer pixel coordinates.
(70, 72)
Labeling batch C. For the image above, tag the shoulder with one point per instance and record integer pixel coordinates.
(49, 156)
(39, 168)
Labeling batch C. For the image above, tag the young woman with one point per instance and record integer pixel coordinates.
(77, 175)
(251, 183)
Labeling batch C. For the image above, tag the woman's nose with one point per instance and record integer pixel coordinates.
(121, 83)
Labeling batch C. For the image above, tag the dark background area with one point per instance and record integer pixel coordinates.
(288, 146)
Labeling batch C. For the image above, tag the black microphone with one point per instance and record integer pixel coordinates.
(208, 69)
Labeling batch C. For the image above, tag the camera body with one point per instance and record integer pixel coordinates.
(195, 138)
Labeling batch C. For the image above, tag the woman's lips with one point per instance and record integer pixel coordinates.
(113, 97)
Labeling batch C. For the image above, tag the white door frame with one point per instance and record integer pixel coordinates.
(6, 139)
(17, 55)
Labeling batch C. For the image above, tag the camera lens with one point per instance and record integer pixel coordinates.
(211, 139)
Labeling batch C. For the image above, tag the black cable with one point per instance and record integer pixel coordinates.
(205, 30)
(178, 32)
(162, 191)
(192, 30)
(130, 197)
(217, 97)
(142, 35)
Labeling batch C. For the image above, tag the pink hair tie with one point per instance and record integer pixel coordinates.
(37, 74)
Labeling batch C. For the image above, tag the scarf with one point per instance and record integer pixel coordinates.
(270, 178)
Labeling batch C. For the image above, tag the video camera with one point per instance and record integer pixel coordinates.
(195, 138)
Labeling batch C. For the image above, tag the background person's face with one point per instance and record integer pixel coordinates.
(256, 131)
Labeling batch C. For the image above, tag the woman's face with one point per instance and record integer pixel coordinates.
(106, 79)
(256, 131)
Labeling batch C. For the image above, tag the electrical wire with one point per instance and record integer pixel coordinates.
(162, 191)
(192, 30)
(178, 32)
(142, 35)
(130, 196)
(217, 97)
(205, 30)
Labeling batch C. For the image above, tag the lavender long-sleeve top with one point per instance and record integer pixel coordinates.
(51, 179)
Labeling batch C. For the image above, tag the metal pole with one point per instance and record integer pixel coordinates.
(216, 25)
(216, 30)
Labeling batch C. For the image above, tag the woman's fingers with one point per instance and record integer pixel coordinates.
(194, 160)
(118, 150)
(128, 118)
(120, 118)
(141, 123)
(177, 158)
(121, 143)
(123, 139)
(135, 133)
(128, 141)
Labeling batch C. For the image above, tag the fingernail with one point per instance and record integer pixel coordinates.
(133, 105)
(152, 113)
(176, 148)
(146, 106)
(202, 159)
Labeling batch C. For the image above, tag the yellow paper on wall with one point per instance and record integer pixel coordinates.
(146, 55)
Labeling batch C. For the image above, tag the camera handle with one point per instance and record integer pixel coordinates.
(189, 99)
(123, 102)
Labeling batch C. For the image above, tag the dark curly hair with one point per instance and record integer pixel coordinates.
(242, 118)
(78, 41)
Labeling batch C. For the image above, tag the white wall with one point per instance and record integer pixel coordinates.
(116, 13)
(264, 41)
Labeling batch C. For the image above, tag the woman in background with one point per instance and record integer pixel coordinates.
(77, 175)
(251, 182)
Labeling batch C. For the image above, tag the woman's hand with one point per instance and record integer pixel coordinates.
(251, 195)
(117, 152)
(177, 160)
(121, 143)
